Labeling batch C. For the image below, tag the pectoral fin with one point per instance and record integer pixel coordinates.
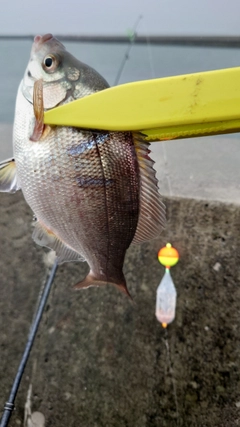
(8, 176)
(44, 237)
(38, 110)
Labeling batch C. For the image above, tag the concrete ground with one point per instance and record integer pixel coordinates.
(100, 360)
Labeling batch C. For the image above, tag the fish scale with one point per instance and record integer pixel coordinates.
(92, 193)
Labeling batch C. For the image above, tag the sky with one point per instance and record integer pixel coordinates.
(116, 17)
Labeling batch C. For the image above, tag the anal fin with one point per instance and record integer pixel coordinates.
(8, 177)
(151, 219)
(43, 237)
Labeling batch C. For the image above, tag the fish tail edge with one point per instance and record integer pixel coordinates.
(92, 280)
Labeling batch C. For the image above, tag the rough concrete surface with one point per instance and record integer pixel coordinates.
(100, 360)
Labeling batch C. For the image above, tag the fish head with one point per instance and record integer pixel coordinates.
(64, 77)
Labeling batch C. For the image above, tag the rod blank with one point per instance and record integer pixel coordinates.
(9, 405)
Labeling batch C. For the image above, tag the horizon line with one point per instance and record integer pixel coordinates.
(209, 40)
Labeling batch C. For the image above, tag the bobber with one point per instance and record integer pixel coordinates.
(166, 291)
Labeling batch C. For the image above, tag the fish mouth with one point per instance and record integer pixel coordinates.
(39, 42)
(43, 39)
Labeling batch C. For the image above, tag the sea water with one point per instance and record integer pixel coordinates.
(145, 61)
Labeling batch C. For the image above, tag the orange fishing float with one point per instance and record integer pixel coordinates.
(168, 256)
(166, 291)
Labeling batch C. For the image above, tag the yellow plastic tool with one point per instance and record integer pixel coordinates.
(205, 103)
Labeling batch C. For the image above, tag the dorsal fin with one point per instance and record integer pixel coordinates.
(8, 176)
(151, 219)
(44, 237)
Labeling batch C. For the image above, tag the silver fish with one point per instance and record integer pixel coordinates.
(93, 193)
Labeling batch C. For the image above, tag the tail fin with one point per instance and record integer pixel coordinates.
(92, 280)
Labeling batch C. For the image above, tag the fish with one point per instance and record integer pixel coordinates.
(93, 193)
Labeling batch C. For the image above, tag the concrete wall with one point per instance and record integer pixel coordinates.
(100, 360)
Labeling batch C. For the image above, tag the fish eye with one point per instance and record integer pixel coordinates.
(50, 63)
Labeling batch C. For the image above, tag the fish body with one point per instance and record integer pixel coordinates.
(93, 193)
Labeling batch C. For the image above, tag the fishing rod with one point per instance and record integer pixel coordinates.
(9, 405)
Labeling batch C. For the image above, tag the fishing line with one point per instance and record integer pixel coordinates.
(132, 38)
(153, 75)
(166, 340)
(170, 366)
(9, 405)
(150, 55)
